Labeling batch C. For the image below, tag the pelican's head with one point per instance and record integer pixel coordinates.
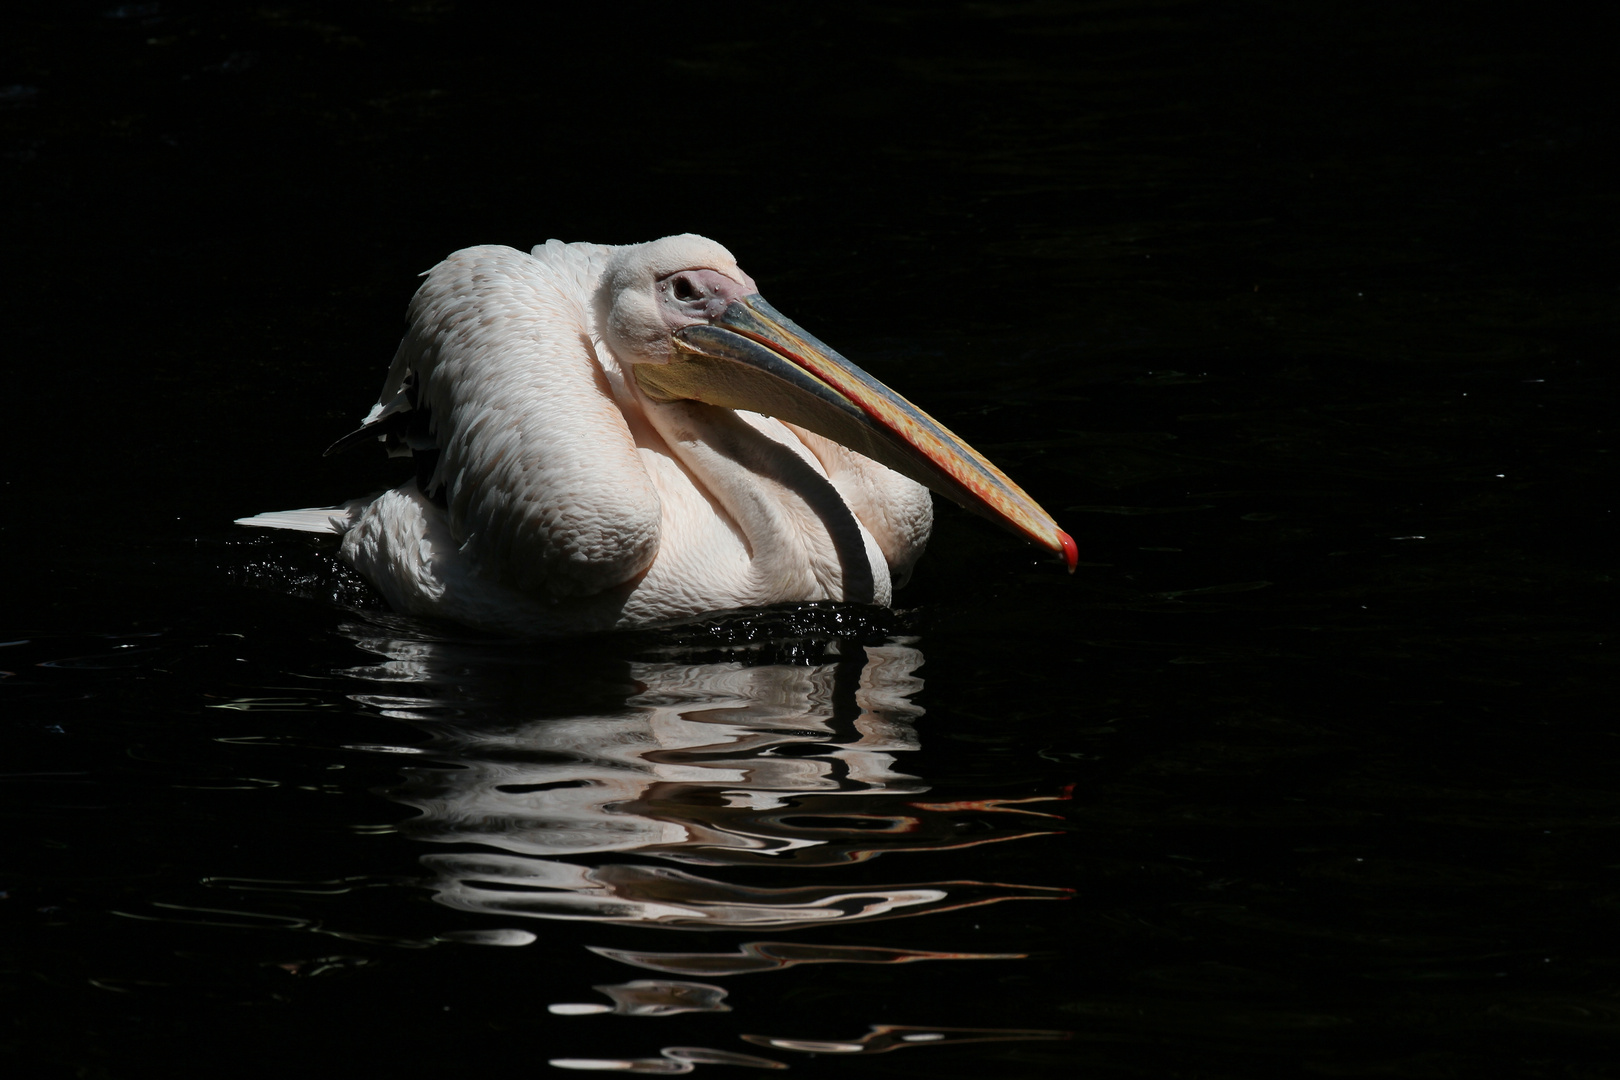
(651, 291)
(691, 326)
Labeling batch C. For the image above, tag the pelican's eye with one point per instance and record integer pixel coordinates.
(685, 290)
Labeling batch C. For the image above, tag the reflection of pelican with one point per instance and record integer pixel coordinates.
(706, 765)
(580, 465)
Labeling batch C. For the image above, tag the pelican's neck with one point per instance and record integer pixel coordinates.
(803, 540)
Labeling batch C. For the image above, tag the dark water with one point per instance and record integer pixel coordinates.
(1300, 317)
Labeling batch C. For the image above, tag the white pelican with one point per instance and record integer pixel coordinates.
(619, 436)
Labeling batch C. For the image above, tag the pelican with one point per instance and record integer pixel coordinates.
(617, 436)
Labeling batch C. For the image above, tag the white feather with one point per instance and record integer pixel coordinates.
(335, 520)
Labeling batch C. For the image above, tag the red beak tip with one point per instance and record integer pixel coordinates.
(1071, 551)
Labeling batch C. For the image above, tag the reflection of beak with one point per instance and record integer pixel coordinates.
(753, 357)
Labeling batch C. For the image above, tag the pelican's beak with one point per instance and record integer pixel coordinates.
(755, 358)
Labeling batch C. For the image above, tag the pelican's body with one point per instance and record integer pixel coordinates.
(578, 466)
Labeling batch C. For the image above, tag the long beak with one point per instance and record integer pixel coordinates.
(755, 358)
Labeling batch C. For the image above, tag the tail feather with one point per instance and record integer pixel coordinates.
(335, 520)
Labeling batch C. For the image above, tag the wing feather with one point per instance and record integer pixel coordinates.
(540, 476)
